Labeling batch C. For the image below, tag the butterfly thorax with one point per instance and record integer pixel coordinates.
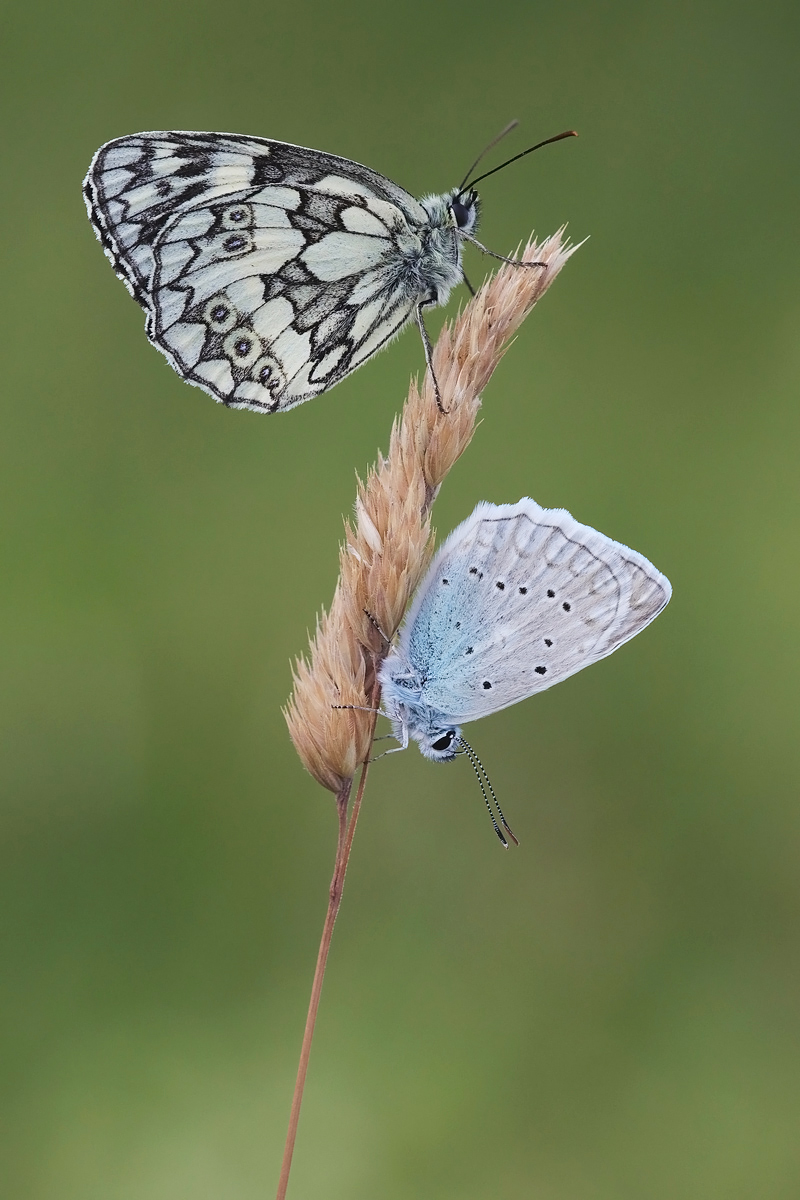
(450, 218)
(411, 717)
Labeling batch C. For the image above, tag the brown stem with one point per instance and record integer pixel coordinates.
(343, 847)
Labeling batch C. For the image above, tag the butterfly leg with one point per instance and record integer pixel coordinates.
(471, 289)
(513, 262)
(360, 708)
(375, 625)
(428, 348)
(394, 749)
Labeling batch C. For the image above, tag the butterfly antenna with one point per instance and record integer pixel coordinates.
(511, 125)
(476, 764)
(475, 760)
(507, 163)
(359, 708)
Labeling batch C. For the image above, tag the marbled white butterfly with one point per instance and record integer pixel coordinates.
(269, 272)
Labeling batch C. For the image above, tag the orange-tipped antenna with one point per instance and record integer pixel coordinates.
(476, 763)
(511, 125)
(530, 150)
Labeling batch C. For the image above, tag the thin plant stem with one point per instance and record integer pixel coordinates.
(344, 844)
(386, 551)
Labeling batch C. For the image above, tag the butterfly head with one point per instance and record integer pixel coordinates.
(464, 207)
(439, 745)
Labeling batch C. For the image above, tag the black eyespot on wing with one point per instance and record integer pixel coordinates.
(265, 171)
(540, 670)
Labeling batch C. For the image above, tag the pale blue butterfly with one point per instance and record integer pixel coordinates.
(518, 598)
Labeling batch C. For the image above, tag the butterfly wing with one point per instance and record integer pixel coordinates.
(519, 598)
(268, 271)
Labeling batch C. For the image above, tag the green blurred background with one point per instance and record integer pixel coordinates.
(611, 1012)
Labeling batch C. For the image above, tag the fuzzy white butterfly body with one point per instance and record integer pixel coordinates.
(269, 272)
(518, 598)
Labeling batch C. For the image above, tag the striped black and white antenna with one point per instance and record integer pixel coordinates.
(480, 774)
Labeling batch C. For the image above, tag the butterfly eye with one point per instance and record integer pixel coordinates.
(464, 214)
(442, 743)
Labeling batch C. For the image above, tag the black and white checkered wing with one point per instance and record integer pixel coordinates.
(268, 272)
